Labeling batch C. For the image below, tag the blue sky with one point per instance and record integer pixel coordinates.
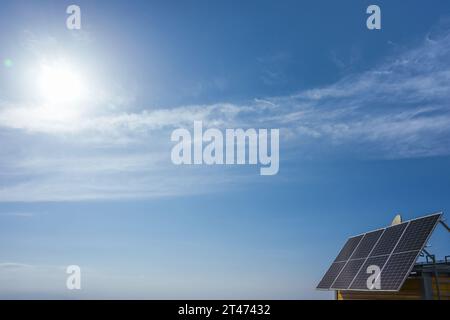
(364, 127)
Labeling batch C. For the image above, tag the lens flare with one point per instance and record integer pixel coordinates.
(8, 63)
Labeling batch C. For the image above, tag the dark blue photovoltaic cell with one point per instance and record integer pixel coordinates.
(331, 275)
(397, 270)
(417, 233)
(366, 244)
(348, 248)
(360, 282)
(347, 274)
(388, 240)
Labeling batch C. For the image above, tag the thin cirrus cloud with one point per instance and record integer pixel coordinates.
(14, 266)
(398, 109)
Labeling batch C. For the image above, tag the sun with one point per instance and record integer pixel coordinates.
(59, 82)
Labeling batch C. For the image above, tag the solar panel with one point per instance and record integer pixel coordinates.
(339, 263)
(392, 251)
(396, 270)
(331, 275)
(388, 240)
(348, 248)
(360, 281)
(366, 245)
(416, 234)
(348, 274)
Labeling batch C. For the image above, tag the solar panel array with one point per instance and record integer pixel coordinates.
(391, 251)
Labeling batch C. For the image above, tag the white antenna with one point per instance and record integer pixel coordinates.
(397, 220)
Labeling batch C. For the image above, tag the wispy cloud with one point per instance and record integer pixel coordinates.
(18, 215)
(397, 109)
(13, 266)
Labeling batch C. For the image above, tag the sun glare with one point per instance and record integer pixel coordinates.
(60, 83)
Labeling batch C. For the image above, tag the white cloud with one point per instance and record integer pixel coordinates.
(13, 266)
(398, 109)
